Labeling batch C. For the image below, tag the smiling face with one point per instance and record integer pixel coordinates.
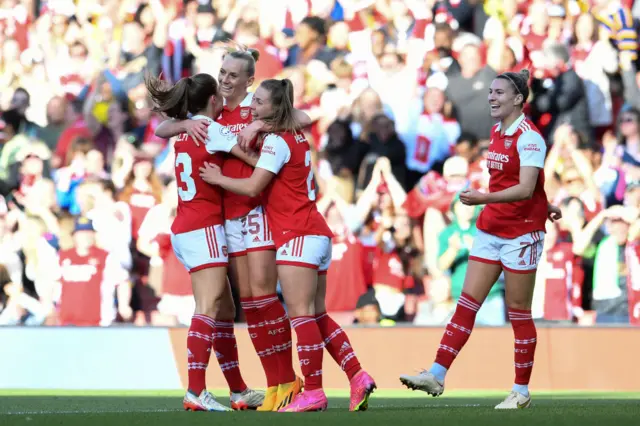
(503, 99)
(233, 77)
(261, 106)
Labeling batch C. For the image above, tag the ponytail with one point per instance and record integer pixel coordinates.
(250, 56)
(188, 95)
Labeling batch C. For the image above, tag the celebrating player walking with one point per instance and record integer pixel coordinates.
(198, 239)
(303, 242)
(252, 265)
(511, 230)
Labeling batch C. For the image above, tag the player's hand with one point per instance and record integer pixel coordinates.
(211, 173)
(553, 213)
(471, 197)
(248, 136)
(455, 242)
(198, 130)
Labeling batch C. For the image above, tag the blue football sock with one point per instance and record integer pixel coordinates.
(438, 371)
(523, 389)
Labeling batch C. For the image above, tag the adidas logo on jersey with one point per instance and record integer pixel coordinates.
(189, 353)
(256, 239)
(218, 355)
(522, 263)
(345, 346)
(284, 253)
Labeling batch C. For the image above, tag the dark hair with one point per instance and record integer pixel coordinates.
(251, 56)
(13, 118)
(467, 137)
(316, 24)
(109, 186)
(23, 90)
(188, 95)
(281, 97)
(519, 81)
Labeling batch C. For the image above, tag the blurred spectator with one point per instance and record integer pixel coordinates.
(397, 94)
(559, 94)
(467, 92)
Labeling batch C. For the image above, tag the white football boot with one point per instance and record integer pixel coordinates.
(204, 402)
(424, 381)
(248, 400)
(514, 401)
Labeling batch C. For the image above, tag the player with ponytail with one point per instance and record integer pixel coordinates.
(511, 230)
(303, 243)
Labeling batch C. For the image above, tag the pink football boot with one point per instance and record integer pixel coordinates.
(313, 400)
(362, 386)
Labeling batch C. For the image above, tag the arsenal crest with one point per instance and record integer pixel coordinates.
(244, 112)
(507, 143)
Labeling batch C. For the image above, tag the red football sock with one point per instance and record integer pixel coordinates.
(198, 344)
(525, 335)
(310, 350)
(458, 330)
(226, 350)
(273, 313)
(262, 341)
(338, 345)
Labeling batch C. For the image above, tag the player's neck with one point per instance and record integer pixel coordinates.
(234, 101)
(506, 122)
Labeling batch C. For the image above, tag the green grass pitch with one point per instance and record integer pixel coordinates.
(388, 408)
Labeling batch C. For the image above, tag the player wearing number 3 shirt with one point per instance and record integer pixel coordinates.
(198, 239)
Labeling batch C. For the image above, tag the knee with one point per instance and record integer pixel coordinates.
(219, 307)
(519, 304)
(301, 310)
(262, 283)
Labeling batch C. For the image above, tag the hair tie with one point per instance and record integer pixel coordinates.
(512, 82)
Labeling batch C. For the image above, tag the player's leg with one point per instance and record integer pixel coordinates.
(483, 271)
(339, 347)
(520, 259)
(208, 290)
(299, 281)
(282, 383)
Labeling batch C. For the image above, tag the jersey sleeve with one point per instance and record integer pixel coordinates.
(220, 138)
(275, 153)
(531, 149)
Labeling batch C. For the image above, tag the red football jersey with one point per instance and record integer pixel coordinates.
(346, 275)
(139, 203)
(176, 280)
(563, 283)
(83, 287)
(290, 198)
(234, 120)
(388, 270)
(521, 145)
(199, 204)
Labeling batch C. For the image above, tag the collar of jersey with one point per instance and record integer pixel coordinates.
(245, 102)
(514, 126)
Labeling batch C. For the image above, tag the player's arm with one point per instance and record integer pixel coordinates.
(197, 129)
(274, 155)
(220, 139)
(247, 137)
(532, 151)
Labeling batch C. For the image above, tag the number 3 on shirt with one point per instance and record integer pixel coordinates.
(311, 190)
(185, 179)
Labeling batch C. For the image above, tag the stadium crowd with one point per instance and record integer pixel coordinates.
(397, 91)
